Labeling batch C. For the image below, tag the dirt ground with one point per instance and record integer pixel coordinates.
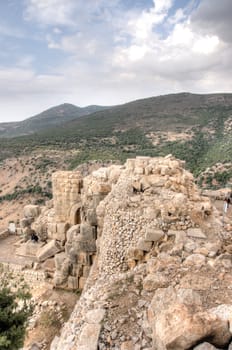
(49, 321)
(8, 246)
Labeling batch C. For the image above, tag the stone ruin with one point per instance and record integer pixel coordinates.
(67, 227)
(149, 253)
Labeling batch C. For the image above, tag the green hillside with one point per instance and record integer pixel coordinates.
(50, 118)
(196, 128)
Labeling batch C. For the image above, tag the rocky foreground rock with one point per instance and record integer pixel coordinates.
(150, 253)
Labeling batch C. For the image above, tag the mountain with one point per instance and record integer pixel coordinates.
(193, 127)
(50, 118)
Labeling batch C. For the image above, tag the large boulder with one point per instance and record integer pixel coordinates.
(49, 250)
(179, 321)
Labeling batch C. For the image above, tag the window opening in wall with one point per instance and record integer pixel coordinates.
(77, 217)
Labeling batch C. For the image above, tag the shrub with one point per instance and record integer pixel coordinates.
(15, 309)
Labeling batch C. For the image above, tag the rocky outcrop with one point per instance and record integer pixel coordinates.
(157, 261)
(147, 251)
(179, 321)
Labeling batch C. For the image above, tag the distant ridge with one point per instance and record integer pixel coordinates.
(193, 127)
(52, 117)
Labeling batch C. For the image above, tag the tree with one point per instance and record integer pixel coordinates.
(15, 308)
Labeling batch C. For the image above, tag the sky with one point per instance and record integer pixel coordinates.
(109, 52)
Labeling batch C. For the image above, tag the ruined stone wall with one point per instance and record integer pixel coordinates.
(155, 231)
(31, 277)
(74, 264)
(66, 193)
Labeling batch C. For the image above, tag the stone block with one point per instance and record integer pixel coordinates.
(54, 343)
(51, 227)
(31, 211)
(29, 248)
(86, 270)
(82, 281)
(153, 234)
(73, 232)
(62, 227)
(139, 170)
(136, 254)
(49, 265)
(92, 217)
(84, 258)
(49, 250)
(59, 260)
(127, 345)
(155, 281)
(87, 232)
(87, 246)
(196, 233)
(197, 260)
(144, 245)
(60, 234)
(59, 278)
(78, 270)
(95, 316)
(73, 283)
(88, 339)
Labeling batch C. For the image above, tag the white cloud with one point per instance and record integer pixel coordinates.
(141, 28)
(50, 12)
(206, 45)
(113, 54)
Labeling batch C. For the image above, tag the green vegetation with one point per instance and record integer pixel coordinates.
(121, 132)
(19, 193)
(15, 309)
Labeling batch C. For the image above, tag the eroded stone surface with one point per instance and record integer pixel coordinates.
(148, 250)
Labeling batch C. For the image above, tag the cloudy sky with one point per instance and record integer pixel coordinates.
(110, 51)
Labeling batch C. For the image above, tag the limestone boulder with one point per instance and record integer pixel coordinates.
(155, 281)
(153, 234)
(88, 339)
(144, 245)
(179, 321)
(31, 211)
(196, 233)
(195, 260)
(95, 316)
(205, 346)
(49, 250)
